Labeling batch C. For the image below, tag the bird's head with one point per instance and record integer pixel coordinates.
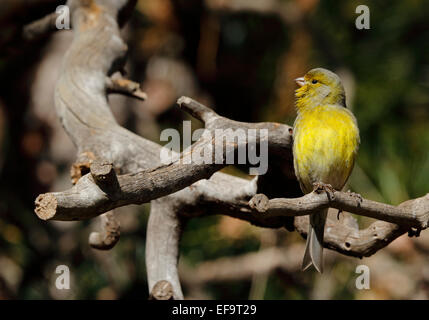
(319, 86)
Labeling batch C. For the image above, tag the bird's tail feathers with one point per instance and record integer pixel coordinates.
(314, 247)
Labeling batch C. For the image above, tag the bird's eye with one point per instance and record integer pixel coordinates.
(314, 81)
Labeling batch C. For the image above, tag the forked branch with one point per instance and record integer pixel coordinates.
(115, 167)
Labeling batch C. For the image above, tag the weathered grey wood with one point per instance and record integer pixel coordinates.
(181, 191)
(162, 250)
(147, 185)
(117, 84)
(108, 236)
(414, 213)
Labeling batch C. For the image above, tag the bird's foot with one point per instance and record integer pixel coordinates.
(340, 211)
(318, 187)
(356, 196)
(414, 232)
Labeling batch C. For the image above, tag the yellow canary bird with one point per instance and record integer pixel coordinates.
(326, 140)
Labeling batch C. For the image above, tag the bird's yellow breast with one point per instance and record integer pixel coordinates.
(326, 139)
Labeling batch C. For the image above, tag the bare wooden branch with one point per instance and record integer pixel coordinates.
(86, 199)
(162, 247)
(196, 109)
(162, 291)
(117, 84)
(214, 197)
(108, 236)
(105, 178)
(412, 213)
(181, 190)
(352, 241)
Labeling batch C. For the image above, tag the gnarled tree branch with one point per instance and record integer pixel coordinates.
(117, 84)
(183, 188)
(108, 236)
(412, 213)
(86, 199)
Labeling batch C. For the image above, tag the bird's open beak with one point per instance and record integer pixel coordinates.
(300, 81)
